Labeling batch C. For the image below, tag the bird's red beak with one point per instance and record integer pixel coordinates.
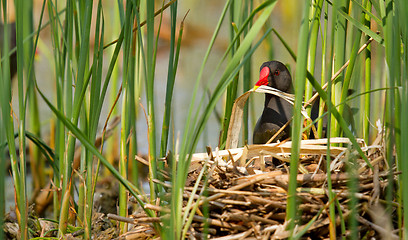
(263, 78)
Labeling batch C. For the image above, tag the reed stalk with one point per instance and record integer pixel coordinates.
(60, 89)
(402, 7)
(247, 73)
(340, 55)
(314, 24)
(3, 139)
(37, 162)
(5, 123)
(149, 83)
(326, 78)
(114, 29)
(391, 55)
(356, 36)
(171, 77)
(323, 75)
(299, 85)
(22, 195)
(367, 81)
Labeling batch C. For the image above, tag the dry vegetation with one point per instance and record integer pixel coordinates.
(249, 200)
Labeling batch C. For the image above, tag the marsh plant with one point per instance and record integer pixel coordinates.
(103, 55)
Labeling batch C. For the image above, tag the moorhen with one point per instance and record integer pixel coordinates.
(277, 111)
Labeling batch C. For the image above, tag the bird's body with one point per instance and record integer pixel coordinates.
(277, 111)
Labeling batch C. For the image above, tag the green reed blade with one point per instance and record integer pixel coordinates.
(125, 120)
(171, 77)
(315, 13)
(367, 80)
(339, 54)
(362, 27)
(350, 68)
(323, 74)
(299, 86)
(150, 72)
(22, 198)
(391, 115)
(3, 138)
(402, 7)
(367, 11)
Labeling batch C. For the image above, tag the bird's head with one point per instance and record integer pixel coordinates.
(274, 74)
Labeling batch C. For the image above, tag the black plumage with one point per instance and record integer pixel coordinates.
(277, 111)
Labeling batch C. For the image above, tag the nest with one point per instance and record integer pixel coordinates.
(244, 192)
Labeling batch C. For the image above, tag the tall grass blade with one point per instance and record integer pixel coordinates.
(326, 76)
(340, 41)
(299, 85)
(362, 27)
(232, 89)
(80, 87)
(61, 89)
(37, 163)
(3, 167)
(5, 89)
(150, 73)
(171, 76)
(315, 13)
(367, 81)
(353, 188)
(401, 13)
(353, 57)
(114, 28)
(125, 121)
(247, 72)
(392, 56)
(93, 119)
(323, 74)
(22, 198)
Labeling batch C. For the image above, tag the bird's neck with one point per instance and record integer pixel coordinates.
(270, 100)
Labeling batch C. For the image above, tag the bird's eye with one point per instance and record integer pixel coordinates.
(276, 73)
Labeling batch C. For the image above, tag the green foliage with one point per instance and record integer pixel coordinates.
(83, 76)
